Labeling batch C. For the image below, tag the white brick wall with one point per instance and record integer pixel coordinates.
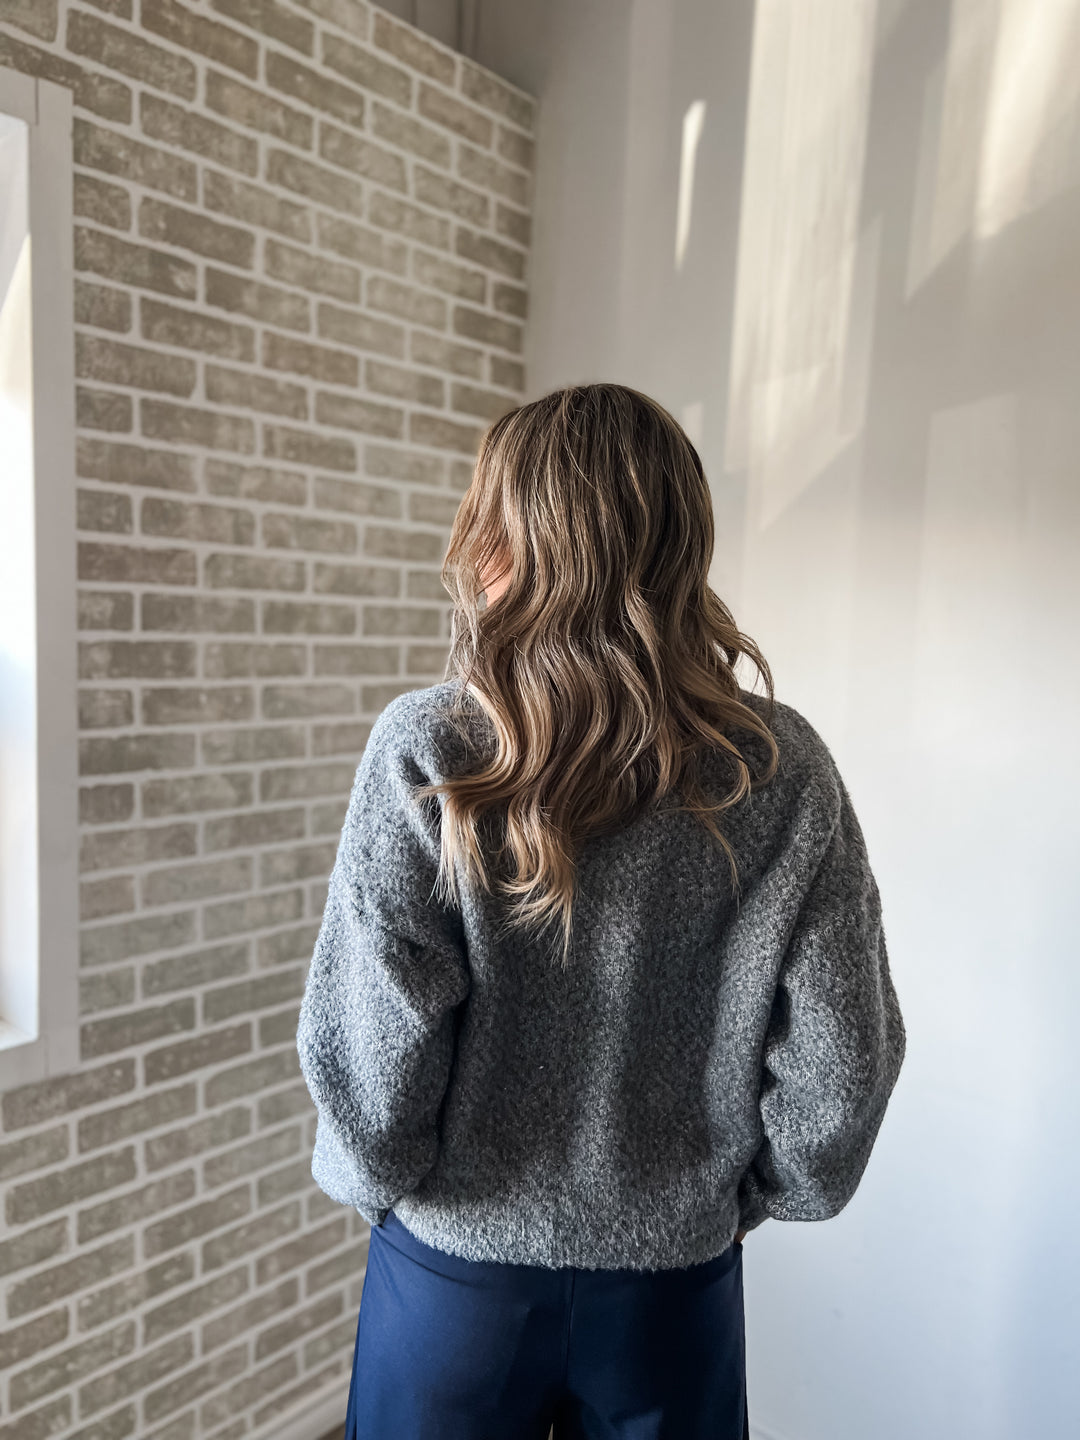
(301, 245)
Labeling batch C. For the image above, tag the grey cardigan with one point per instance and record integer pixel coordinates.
(702, 1065)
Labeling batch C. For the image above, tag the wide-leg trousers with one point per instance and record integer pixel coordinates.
(456, 1349)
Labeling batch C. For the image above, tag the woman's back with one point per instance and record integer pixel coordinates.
(704, 1060)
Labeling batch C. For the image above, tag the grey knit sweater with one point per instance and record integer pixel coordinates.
(699, 1067)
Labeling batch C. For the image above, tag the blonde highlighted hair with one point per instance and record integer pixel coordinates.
(607, 666)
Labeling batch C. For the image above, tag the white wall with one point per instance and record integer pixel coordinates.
(874, 335)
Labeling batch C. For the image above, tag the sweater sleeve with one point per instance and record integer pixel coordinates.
(377, 1027)
(834, 1045)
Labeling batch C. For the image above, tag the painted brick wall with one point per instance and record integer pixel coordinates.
(301, 243)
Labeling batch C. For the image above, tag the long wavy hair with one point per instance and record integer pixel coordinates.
(607, 666)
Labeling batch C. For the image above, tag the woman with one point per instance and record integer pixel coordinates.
(601, 982)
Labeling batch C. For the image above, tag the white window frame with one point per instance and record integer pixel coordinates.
(39, 911)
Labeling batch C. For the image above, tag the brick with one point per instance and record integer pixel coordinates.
(410, 385)
(352, 16)
(297, 532)
(311, 272)
(207, 37)
(411, 466)
(284, 1104)
(266, 990)
(295, 1253)
(195, 882)
(124, 563)
(515, 226)
(491, 174)
(119, 462)
(196, 613)
(486, 89)
(327, 819)
(297, 618)
(36, 16)
(442, 274)
(98, 898)
(304, 861)
(427, 349)
(394, 543)
(245, 1317)
(203, 1050)
(433, 509)
(257, 912)
(125, 1380)
(190, 1140)
(31, 1247)
(248, 747)
(122, 1121)
(272, 19)
(136, 265)
(257, 111)
(67, 1366)
(488, 404)
(260, 827)
(302, 1322)
(307, 448)
(253, 1235)
(454, 114)
(102, 306)
(33, 1152)
(418, 53)
(239, 199)
(361, 157)
(117, 659)
(122, 50)
(188, 425)
(282, 352)
(508, 373)
(337, 1268)
(191, 331)
(49, 1420)
(106, 991)
(330, 1342)
(188, 230)
(487, 251)
(365, 332)
(183, 1309)
(105, 804)
(354, 580)
(99, 201)
(257, 1155)
(120, 364)
(200, 1219)
(360, 242)
(107, 944)
(261, 302)
(314, 88)
(444, 434)
(410, 134)
(114, 153)
(190, 794)
(396, 620)
(316, 182)
(100, 510)
(121, 1032)
(90, 1268)
(256, 482)
(356, 497)
(227, 660)
(251, 572)
(102, 410)
(368, 70)
(134, 1290)
(477, 325)
(101, 94)
(187, 130)
(355, 660)
(46, 1099)
(393, 213)
(385, 293)
(516, 148)
(258, 1383)
(255, 392)
(64, 1187)
(184, 972)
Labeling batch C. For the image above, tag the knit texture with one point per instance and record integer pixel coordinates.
(704, 1063)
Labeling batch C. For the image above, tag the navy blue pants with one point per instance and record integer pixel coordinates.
(456, 1349)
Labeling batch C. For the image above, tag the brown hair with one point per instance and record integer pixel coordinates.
(607, 665)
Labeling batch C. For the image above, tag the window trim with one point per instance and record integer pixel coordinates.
(53, 1048)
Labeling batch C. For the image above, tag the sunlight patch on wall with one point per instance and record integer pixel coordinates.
(806, 274)
(693, 124)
